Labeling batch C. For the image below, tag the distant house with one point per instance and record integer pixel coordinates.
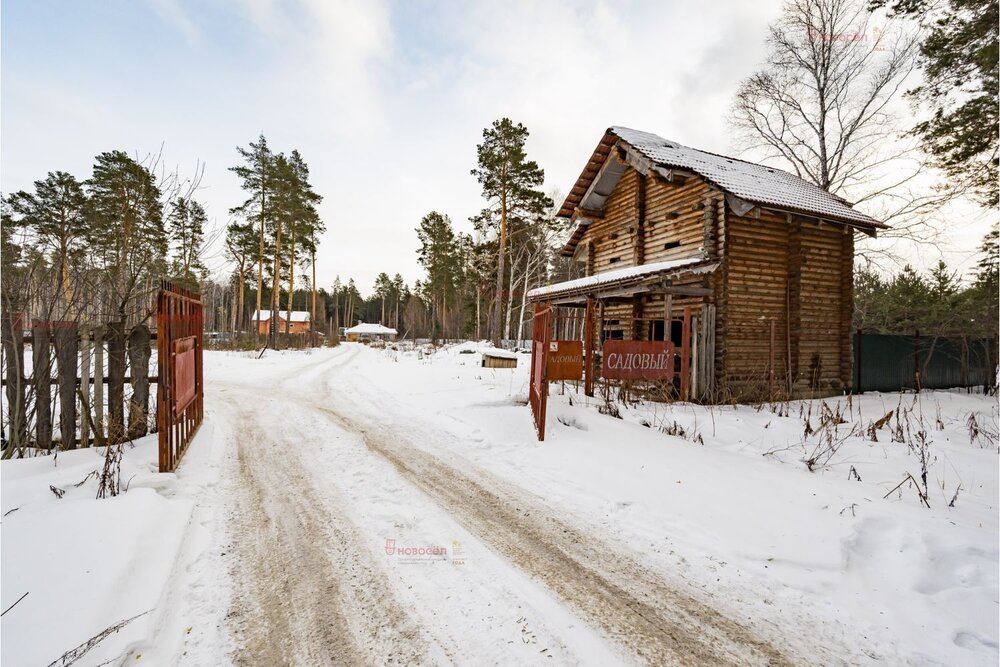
(300, 322)
(369, 331)
(761, 259)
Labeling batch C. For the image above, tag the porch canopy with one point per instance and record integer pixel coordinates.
(625, 284)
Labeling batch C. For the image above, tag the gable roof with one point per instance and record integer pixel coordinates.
(755, 183)
(370, 328)
(297, 316)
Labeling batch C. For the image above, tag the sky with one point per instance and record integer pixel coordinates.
(386, 101)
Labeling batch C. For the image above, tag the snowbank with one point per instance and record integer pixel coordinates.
(85, 564)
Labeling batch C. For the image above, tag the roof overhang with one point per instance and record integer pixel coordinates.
(623, 284)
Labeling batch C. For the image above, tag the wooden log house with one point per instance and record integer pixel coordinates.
(763, 259)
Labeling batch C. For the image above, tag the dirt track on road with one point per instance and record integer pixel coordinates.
(301, 593)
(635, 607)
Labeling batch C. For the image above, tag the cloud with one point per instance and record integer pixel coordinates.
(172, 13)
(324, 56)
(385, 101)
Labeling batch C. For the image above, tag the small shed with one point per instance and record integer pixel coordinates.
(497, 358)
(368, 331)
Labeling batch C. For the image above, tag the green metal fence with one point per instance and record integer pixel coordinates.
(892, 363)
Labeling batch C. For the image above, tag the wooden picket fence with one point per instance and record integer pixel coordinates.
(101, 378)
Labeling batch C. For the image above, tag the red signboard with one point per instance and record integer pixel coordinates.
(184, 380)
(637, 360)
(565, 360)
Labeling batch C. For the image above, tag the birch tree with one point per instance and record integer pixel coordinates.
(824, 106)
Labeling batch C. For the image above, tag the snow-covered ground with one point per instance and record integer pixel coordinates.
(361, 505)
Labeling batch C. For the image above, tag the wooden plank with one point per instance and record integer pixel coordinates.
(85, 350)
(67, 352)
(116, 384)
(138, 354)
(99, 435)
(11, 332)
(41, 355)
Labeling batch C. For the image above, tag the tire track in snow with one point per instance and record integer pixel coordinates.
(658, 623)
(301, 594)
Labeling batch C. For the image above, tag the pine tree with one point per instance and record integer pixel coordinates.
(241, 248)
(284, 207)
(352, 297)
(961, 88)
(985, 291)
(186, 229)
(438, 254)
(126, 234)
(943, 315)
(398, 295)
(509, 182)
(383, 287)
(302, 219)
(337, 289)
(56, 213)
(256, 174)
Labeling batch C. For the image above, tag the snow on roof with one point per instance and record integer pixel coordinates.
(297, 315)
(754, 182)
(370, 328)
(616, 276)
(497, 353)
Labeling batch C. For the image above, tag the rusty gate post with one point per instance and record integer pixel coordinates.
(538, 384)
(180, 390)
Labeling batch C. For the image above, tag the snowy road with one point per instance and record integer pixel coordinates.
(321, 470)
(360, 506)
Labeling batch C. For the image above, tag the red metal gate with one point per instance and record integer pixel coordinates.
(180, 390)
(538, 388)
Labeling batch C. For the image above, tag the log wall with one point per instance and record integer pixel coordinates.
(782, 294)
(754, 288)
(649, 219)
(612, 244)
(796, 272)
(675, 226)
(823, 302)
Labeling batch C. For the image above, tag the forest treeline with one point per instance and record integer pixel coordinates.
(93, 250)
(938, 302)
